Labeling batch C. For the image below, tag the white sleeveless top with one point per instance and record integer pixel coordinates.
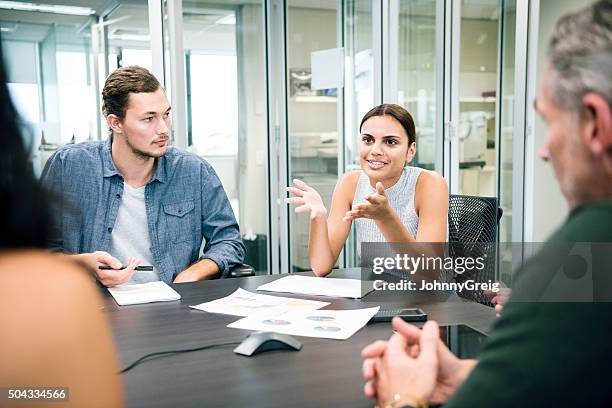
(401, 199)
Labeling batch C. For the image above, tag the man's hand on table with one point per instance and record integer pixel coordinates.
(109, 277)
(204, 269)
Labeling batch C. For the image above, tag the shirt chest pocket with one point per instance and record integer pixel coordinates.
(180, 224)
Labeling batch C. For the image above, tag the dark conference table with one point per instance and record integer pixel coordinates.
(324, 373)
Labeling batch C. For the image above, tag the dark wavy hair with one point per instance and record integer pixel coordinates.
(24, 212)
(400, 114)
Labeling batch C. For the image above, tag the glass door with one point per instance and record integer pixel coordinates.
(359, 89)
(313, 130)
(485, 126)
(225, 111)
(409, 34)
(478, 95)
(359, 84)
(49, 58)
(505, 151)
(489, 125)
(418, 75)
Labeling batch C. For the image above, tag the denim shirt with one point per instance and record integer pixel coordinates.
(185, 202)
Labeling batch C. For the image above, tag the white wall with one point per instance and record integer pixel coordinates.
(549, 206)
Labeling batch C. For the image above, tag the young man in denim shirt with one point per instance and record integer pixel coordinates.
(133, 200)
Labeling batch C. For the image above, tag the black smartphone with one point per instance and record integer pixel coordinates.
(409, 315)
(148, 268)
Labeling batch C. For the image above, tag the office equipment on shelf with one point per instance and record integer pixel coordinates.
(308, 144)
(474, 127)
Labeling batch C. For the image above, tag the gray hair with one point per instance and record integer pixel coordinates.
(580, 56)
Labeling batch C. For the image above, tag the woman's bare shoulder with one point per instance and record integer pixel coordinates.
(431, 180)
(351, 176)
(347, 184)
(430, 187)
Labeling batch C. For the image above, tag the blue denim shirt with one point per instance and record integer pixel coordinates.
(184, 200)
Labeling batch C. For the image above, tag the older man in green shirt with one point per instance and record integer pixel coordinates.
(540, 353)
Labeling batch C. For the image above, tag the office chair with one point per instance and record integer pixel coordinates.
(241, 271)
(238, 271)
(472, 232)
(473, 218)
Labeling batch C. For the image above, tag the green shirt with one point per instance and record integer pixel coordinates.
(551, 354)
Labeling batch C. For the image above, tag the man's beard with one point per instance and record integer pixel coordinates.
(142, 154)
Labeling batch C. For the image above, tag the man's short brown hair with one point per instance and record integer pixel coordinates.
(121, 83)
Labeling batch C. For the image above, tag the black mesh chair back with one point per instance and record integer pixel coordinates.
(472, 231)
(472, 219)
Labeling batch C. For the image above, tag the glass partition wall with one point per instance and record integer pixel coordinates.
(417, 75)
(486, 103)
(225, 118)
(57, 58)
(49, 64)
(506, 139)
(127, 35)
(312, 113)
(250, 100)
(478, 96)
(358, 31)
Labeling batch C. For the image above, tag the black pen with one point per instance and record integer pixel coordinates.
(138, 268)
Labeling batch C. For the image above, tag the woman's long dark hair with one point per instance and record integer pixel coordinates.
(399, 113)
(24, 213)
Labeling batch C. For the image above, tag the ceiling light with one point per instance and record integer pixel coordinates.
(5, 29)
(129, 37)
(47, 8)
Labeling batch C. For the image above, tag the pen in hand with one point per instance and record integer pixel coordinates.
(138, 268)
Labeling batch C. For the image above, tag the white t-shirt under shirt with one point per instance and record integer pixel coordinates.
(130, 236)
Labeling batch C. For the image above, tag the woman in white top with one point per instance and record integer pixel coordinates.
(388, 200)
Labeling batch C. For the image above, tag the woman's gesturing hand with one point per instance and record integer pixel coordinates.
(307, 199)
(376, 207)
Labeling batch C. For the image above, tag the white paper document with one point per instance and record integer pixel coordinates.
(316, 286)
(329, 324)
(245, 303)
(143, 293)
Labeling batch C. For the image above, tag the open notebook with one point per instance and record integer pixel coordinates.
(143, 293)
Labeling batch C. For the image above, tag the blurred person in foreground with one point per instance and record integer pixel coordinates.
(54, 333)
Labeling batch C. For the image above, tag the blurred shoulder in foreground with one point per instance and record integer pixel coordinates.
(54, 331)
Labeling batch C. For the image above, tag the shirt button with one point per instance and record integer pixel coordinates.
(110, 229)
(118, 195)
